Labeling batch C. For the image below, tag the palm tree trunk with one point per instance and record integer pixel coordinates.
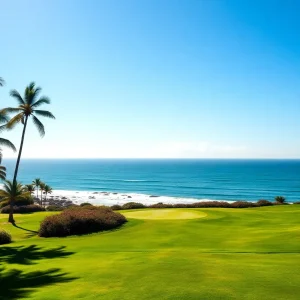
(37, 192)
(11, 211)
(41, 197)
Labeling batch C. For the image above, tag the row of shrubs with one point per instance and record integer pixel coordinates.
(203, 204)
(23, 209)
(80, 220)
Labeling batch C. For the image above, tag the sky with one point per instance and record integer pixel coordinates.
(156, 79)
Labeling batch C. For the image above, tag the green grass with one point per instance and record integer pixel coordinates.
(204, 254)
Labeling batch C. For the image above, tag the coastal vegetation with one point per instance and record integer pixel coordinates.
(223, 254)
(13, 192)
(80, 220)
(27, 108)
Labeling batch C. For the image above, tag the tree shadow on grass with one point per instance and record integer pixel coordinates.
(32, 231)
(16, 284)
(27, 255)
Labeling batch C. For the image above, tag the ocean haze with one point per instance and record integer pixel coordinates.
(214, 179)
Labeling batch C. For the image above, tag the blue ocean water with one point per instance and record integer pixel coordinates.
(200, 178)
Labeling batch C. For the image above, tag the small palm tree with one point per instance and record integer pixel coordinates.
(27, 108)
(280, 199)
(42, 187)
(36, 182)
(29, 188)
(47, 190)
(11, 192)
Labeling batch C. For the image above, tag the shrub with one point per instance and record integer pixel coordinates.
(280, 199)
(20, 202)
(5, 237)
(204, 204)
(23, 209)
(263, 202)
(116, 207)
(298, 202)
(81, 220)
(242, 204)
(133, 205)
(54, 208)
(85, 204)
(161, 205)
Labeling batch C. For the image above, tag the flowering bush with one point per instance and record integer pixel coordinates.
(80, 220)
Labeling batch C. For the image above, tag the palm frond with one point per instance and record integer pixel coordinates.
(14, 121)
(42, 100)
(2, 82)
(9, 110)
(44, 113)
(15, 94)
(8, 144)
(31, 93)
(2, 175)
(3, 127)
(39, 125)
(3, 118)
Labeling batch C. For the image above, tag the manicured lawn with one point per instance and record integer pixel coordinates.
(203, 254)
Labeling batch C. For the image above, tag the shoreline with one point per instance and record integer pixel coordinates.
(113, 198)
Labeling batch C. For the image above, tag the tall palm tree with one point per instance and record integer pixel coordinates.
(27, 108)
(36, 182)
(4, 142)
(47, 190)
(11, 192)
(42, 187)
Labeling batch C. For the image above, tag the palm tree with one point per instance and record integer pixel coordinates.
(47, 190)
(29, 188)
(42, 187)
(27, 108)
(36, 182)
(11, 192)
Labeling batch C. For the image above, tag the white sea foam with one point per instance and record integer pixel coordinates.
(110, 198)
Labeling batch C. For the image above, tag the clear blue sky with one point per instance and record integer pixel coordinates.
(139, 78)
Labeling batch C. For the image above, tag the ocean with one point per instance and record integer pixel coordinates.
(174, 180)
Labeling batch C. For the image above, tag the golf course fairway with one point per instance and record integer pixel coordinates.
(174, 254)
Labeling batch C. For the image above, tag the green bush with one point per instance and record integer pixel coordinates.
(80, 220)
(133, 205)
(54, 208)
(280, 199)
(23, 209)
(5, 237)
(116, 207)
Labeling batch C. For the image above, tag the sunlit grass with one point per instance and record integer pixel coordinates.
(220, 254)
